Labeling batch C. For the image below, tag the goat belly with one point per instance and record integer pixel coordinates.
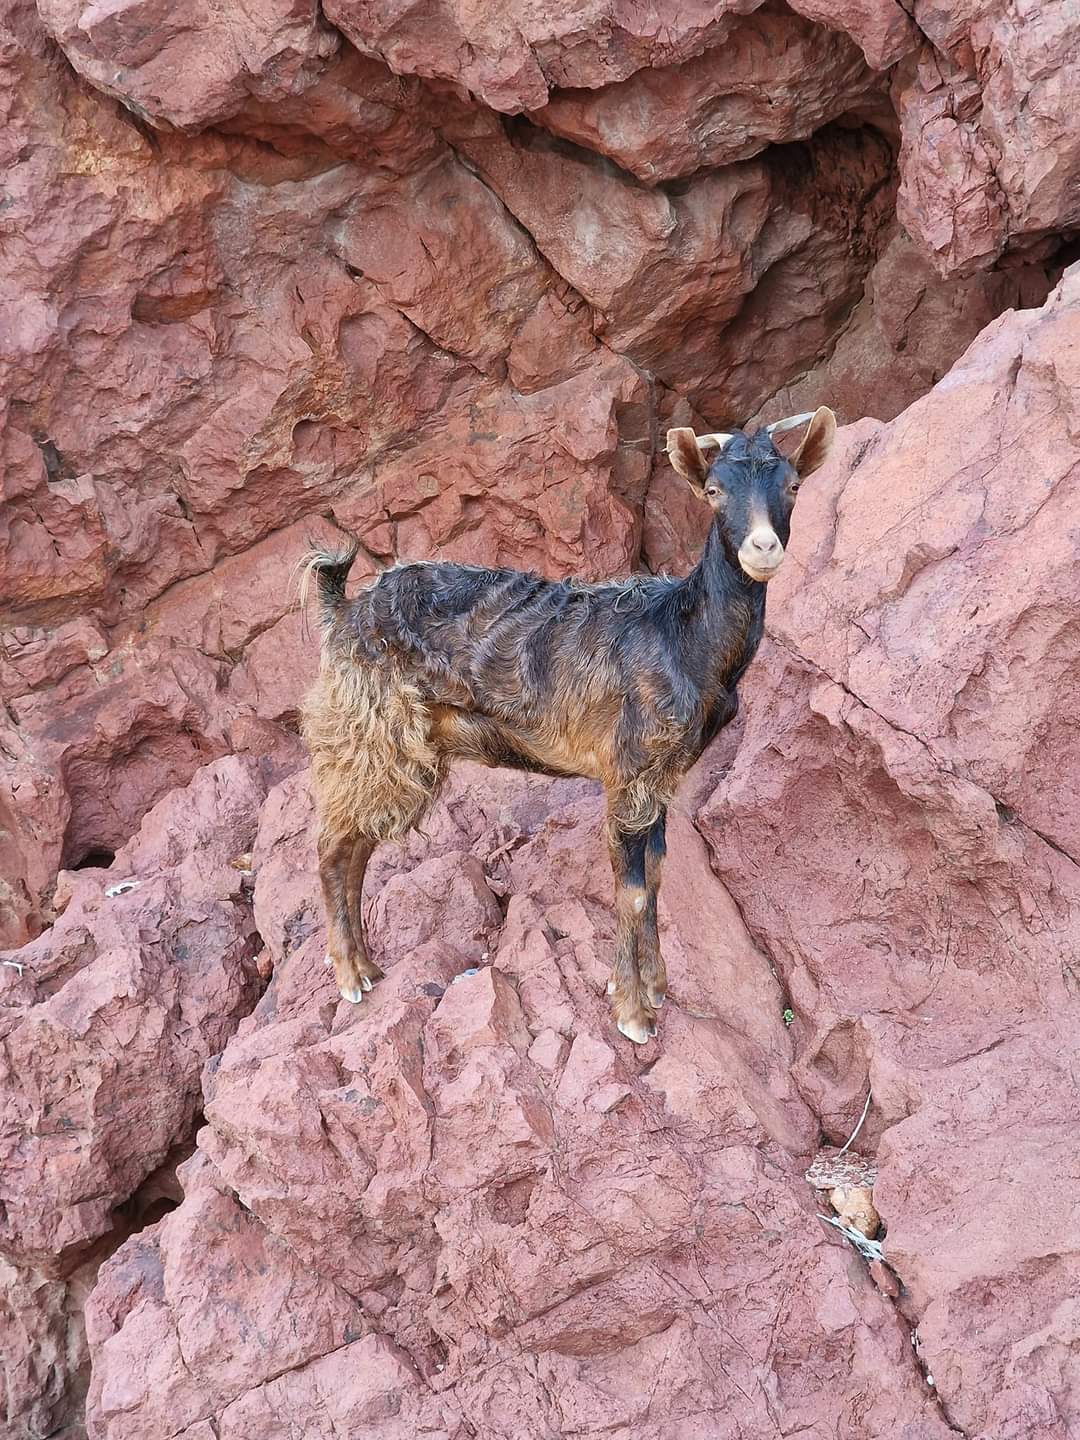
(471, 735)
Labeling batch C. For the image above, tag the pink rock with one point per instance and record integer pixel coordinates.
(542, 481)
(139, 50)
(670, 276)
(896, 767)
(46, 1360)
(437, 247)
(883, 29)
(904, 335)
(770, 79)
(503, 1205)
(512, 60)
(236, 1279)
(479, 1009)
(985, 1232)
(949, 198)
(990, 150)
(409, 906)
(115, 1010)
(38, 656)
(369, 1388)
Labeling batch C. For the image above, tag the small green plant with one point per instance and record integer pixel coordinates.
(789, 1015)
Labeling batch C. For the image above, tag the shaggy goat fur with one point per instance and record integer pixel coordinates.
(624, 683)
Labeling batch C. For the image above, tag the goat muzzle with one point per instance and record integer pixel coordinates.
(761, 554)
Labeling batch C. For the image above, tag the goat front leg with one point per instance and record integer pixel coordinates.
(342, 862)
(651, 965)
(633, 1014)
(368, 971)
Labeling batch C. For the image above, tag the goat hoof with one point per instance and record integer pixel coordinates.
(328, 960)
(354, 996)
(657, 998)
(611, 987)
(639, 1031)
(365, 982)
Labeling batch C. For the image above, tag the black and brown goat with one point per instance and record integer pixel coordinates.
(625, 683)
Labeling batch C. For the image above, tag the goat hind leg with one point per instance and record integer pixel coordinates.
(335, 863)
(366, 968)
(633, 1013)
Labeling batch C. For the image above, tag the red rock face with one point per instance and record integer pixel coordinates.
(990, 156)
(770, 79)
(908, 768)
(441, 277)
(483, 1205)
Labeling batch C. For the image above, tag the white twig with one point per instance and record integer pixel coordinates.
(15, 965)
(858, 1127)
(868, 1249)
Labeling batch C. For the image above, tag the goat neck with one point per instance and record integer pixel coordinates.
(725, 612)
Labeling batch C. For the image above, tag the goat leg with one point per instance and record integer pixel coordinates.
(633, 1014)
(366, 968)
(651, 965)
(351, 967)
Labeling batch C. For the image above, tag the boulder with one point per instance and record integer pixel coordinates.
(108, 1017)
(468, 1202)
(772, 78)
(990, 153)
(908, 767)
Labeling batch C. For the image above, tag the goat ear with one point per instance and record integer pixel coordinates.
(686, 456)
(816, 443)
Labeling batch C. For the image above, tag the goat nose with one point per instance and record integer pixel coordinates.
(764, 543)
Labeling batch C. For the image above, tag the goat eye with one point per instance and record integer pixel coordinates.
(712, 491)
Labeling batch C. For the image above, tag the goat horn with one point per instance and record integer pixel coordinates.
(791, 423)
(709, 442)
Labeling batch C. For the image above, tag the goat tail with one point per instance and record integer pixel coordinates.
(328, 569)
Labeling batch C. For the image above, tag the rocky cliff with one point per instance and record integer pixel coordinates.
(441, 276)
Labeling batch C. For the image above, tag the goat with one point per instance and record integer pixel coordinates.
(624, 682)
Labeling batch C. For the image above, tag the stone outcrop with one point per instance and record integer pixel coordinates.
(491, 1215)
(908, 769)
(486, 1209)
(990, 154)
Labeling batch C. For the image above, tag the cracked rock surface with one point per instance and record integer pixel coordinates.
(441, 277)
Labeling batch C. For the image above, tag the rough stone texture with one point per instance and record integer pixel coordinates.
(691, 285)
(511, 58)
(991, 151)
(771, 79)
(488, 1209)
(903, 335)
(909, 765)
(881, 28)
(137, 50)
(448, 293)
(114, 1010)
(45, 1366)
